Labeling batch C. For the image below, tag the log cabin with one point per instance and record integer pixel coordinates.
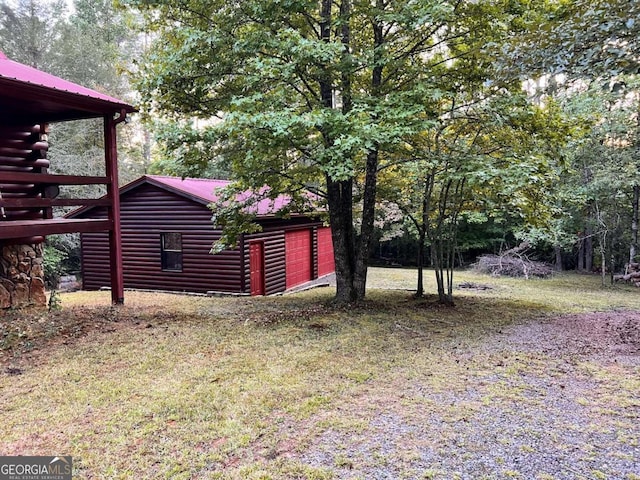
(30, 100)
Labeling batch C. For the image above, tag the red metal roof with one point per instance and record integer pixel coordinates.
(200, 190)
(206, 190)
(24, 73)
(197, 187)
(30, 94)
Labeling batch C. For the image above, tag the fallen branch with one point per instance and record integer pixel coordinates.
(513, 263)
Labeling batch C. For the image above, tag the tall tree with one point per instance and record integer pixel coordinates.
(490, 159)
(30, 31)
(583, 38)
(586, 40)
(311, 95)
(96, 44)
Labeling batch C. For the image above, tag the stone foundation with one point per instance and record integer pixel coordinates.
(21, 276)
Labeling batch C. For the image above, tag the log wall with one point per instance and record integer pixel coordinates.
(145, 214)
(22, 150)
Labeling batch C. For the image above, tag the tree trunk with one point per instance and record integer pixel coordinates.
(421, 239)
(588, 250)
(351, 256)
(580, 265)
(366, 231)
(326, 82)
(593, 218)
(603, 268)
(423, 230)
(437, 270)
(350, 259)
(590, 217)
(371, 179)
(444, 276)
(340, 199)
(558, 253)
(345, 18)
(339, 192)
(438, 238)
(634, 224)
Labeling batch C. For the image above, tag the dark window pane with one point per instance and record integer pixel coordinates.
(172, 241)
(171, 251)
(172, 261)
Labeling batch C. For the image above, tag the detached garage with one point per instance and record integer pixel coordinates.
(167, 234)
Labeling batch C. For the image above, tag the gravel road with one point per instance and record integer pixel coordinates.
(552, 399)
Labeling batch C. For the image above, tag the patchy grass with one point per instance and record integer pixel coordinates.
(564, 292)
(504, 385)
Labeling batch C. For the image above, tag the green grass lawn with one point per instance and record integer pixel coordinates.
(172, 386)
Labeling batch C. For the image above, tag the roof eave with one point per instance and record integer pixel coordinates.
(137, 183)
(82, 106)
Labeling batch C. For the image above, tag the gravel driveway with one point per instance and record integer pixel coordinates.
(556, 399)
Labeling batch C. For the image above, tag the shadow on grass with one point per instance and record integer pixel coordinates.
(22, 331)
(393, 310)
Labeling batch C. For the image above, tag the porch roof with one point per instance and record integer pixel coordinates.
(28, 95)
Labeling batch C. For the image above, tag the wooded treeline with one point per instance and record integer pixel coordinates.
(453, 127)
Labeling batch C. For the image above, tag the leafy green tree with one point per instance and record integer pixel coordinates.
(311, 96)
(183, 152)
(488, 160)
(583, 38)
(595, 195)
(586, 41)
(107, 42)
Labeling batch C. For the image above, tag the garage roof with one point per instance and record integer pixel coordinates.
(200, 190)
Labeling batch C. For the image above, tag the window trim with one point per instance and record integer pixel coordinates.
(164, 251)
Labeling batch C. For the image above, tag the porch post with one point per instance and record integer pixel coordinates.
(113, 194)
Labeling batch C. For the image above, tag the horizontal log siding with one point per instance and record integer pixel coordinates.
(22, 151)
(146, 213)
(274, 261)
(95, 260)
(274, 251)
(314, 249)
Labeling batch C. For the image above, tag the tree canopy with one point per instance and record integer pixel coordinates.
(583, 38)
(308, 96)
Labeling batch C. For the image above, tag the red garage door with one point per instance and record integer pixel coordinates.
(325, 252)
(298, 257)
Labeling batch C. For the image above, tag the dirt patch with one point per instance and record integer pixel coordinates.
(30, 333)
(602, 333)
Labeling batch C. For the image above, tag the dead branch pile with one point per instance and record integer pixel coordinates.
(632, 274)
(513, 263)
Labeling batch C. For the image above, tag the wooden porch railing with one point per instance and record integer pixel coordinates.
(25, 228)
